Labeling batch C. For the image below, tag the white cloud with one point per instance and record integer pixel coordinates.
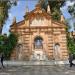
(18, 3)
(69, 3)
(10, 15)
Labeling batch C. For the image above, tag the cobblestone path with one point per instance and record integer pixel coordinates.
(38, 70)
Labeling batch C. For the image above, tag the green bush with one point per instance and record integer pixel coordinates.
(7, 44)
(71, 45)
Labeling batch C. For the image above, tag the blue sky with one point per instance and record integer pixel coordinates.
(67, 15)
(19, 11)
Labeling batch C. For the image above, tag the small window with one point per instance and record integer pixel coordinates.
(38, 42)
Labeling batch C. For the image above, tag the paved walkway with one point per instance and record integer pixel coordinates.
(38, 70)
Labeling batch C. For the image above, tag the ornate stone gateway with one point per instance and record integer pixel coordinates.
(38, 52)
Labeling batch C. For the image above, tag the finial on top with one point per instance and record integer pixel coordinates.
(48, 9)
(62, 18)
(26, 8)
(14, 20)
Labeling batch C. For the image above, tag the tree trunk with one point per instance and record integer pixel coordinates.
(0, 29)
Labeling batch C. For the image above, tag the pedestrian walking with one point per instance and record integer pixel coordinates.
(2, 59)
(71, 59)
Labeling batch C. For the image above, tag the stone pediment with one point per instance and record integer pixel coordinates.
(38, 17)
(54, 24)
(37, 13)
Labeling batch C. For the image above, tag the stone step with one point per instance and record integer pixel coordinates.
(30, 63)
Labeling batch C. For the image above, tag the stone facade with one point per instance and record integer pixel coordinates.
(39, 37)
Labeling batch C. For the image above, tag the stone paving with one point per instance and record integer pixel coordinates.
(38, 70)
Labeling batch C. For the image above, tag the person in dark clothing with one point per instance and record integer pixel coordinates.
(71, 59)
(2, 59)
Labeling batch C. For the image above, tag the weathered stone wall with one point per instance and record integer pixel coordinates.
(50, 38)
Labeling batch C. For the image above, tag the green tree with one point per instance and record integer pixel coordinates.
(54, 6)
(2, 41)
(8, 44)
(5, 5)
(70, 40)
(71, 44)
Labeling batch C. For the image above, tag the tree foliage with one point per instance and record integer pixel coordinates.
(71, 45)
(71, 10)
(54, 6)
(2, 39)
(70, 40)
(7, 44)
(5, 5)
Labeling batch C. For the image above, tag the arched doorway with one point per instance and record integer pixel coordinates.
(38, 52)
(57, 51)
